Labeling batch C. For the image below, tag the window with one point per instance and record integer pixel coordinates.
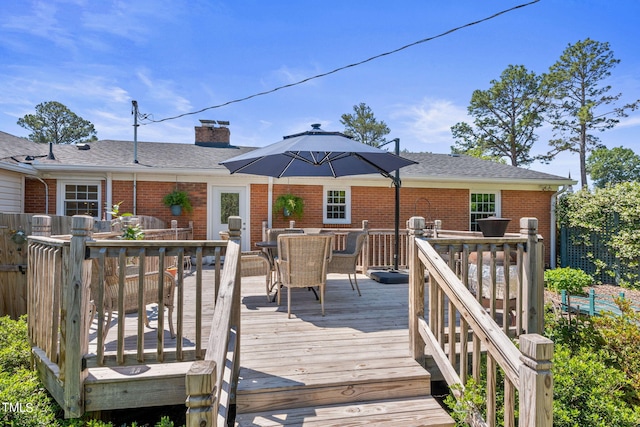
(81, 199)
(229, 206)
(482, 206)
(337, 205)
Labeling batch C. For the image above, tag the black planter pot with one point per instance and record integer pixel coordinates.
(493, 226)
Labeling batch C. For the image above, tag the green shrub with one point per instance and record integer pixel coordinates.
(15, 351)
(619, 338)
(586, 392)
(569, 279)
(24, 401)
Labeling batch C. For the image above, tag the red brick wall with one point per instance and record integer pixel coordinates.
(519, 204)
(34, 196)
(375, 204)
(150, 194)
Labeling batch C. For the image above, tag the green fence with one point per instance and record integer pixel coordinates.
(575, 253)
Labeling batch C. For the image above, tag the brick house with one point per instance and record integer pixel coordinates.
(70, 179)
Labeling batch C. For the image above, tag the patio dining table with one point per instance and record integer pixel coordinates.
(269, 248)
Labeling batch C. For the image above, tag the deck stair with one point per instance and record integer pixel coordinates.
(351, 367)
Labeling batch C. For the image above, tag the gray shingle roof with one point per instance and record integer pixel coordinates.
(462, 166)
(12, 146)
(112, 154)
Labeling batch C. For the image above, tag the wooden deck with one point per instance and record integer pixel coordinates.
(350, 367)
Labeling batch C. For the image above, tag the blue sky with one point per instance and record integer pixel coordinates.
(176, 57)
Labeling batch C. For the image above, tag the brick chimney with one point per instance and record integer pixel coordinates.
(213, 133)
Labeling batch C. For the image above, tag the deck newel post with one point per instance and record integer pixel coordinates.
(41, 225)
(235, 227)
(533, 278)
(365, 248)
(200, 385)
(416, 289)
(75, 316)
(536, 381)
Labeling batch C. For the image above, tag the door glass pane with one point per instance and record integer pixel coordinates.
(229, 206)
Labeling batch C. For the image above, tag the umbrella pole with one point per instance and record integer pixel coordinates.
(397, 218)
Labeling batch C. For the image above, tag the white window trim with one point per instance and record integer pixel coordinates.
(61, 193)
(497, 193)
(347, 192)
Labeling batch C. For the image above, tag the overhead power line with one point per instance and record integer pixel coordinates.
(355, 64)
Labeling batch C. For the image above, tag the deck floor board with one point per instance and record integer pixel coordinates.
(358, 351)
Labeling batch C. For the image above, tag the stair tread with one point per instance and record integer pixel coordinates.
(316, 375)
(416, 411)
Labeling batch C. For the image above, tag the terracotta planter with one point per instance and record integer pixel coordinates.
(173, 271)
(493, 226)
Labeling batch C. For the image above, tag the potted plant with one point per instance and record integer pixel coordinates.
(493, 226)
(177, 200)
(289, 205)
(129, 225)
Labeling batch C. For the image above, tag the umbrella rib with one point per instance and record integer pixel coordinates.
(257, 159)
(378, 168)
(281, 174)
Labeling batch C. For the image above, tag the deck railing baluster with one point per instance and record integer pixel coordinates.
(526, 370)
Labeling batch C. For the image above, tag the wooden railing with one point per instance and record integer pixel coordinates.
(211, 383)
(454, 314)
(379, 247)
(66, 293)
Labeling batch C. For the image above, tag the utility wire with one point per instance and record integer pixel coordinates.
(355, 64)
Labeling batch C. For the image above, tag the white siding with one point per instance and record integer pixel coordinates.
(11, 192)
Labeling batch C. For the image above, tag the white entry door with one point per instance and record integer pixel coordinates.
(229, 201)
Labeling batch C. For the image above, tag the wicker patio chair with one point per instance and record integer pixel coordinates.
(130, 295)
(254, 263)
(344, 261)
(302, 263)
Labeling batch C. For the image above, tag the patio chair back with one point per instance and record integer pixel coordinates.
(302, 263)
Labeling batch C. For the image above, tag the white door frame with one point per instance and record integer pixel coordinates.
(213, 212)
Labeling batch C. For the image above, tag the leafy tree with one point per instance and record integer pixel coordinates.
(610, 167)
(575, 83)
(613, 213)
(478, 152)
(55, 123)
(506, 117)
(363, 126)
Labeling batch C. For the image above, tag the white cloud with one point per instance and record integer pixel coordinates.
(163, 90)
(429, 121)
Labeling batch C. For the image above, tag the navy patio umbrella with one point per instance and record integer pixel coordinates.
(317, 153)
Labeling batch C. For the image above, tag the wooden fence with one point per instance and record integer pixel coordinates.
(454, 314)
(14, 229)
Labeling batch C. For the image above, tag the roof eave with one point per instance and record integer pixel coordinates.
(130, 169)
(19, 167)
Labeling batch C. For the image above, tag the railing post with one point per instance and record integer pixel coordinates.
(200, 385)
(533, 278)
(365, 248)
(41, 225)
(235, 226)
(416, 289)
(74, 317)
(536, 381)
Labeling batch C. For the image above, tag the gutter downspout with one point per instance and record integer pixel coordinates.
(135, 194)
(553, 243)
(46, 195)
(109, 195)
